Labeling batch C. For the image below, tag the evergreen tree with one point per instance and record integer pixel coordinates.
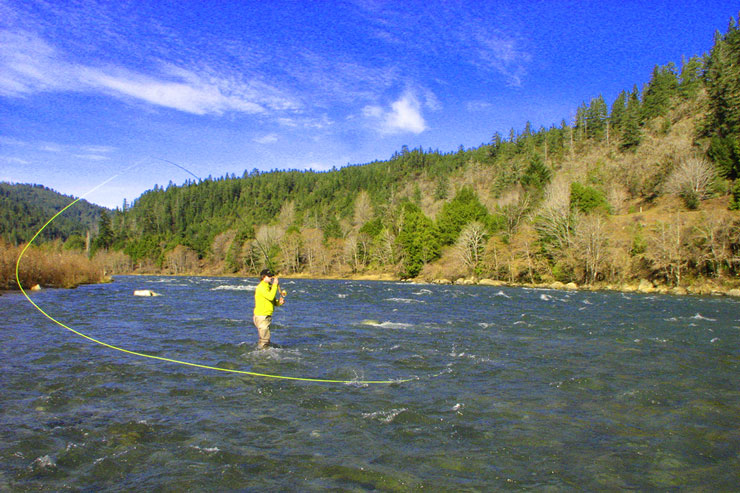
(440, 191)
(657, 95)
(537, 175)
(105, 233)
(464, 208)
(418, 238)
(722, 77)
(596, 116)
(332, 229)
(631, 131)
(581, 124)
(619, 112)
(690, 80)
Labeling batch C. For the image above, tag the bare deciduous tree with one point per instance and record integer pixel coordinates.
(693, 175)
(290, 250)
(591, 241)
(287, 214)
(712, 240)
(363, 209)
(667, 249)
(353, 252)
(312, 246)
(555, 220)
(220, 245)
(385, 250)
(181, 260)
(617, 196)
(267, 240)
(523, 258)
(514, 212)
(470, 243)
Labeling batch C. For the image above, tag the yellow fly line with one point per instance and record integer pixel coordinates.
(160, 358)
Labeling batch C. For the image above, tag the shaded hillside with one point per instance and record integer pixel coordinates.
(25, 208)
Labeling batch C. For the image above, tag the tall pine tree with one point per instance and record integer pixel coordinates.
(722, 78)
(631, 130)
(619, 112)
(657, 95)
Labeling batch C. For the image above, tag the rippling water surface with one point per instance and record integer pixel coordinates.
(512, 389)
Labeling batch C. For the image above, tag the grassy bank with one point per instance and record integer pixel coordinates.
(48, 266)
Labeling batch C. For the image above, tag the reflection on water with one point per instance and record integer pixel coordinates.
(512, 388)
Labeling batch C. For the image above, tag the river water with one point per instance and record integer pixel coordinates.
(510, 389)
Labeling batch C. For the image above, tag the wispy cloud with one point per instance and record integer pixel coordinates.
(478, 105)
(267, 139)
(502, 54)
(88, 152)
(403, 116)
(14, 160)
(461, 35)
(29, 64)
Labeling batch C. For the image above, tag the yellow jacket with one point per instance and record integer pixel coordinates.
(265, 299)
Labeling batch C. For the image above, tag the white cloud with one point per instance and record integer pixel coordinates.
(91, 157)
(14, 160)
(267, 139)
(502, 54)
(404, 115)
(89, 152)
(478, 105)
(93, 149)
(192, 96)
(50, 147)
(28, 65)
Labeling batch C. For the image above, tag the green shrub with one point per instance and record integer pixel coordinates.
(587, 199)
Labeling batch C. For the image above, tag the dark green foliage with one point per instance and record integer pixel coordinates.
(619, 112)
(722, 79)
(104, 238)
(725, 152)
(691, 78)
(145, 247)
(537, 175)
(373, 227)
(587, 199)
(464, 208)
(75, 242)
(234, 261)
(440, 191)
(690, 199)
(656, 98)
(735, 197)
(639, 243)
(591, 120)
(631, 131)
(418, 239)
(24, 209)
(331, 228)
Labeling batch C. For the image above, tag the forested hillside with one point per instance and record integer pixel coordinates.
(644, 187)
(25, 208)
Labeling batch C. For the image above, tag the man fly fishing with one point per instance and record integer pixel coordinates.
(265, 300)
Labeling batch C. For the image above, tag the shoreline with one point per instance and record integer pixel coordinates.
(642, 286)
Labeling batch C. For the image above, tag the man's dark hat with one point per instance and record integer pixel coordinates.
(267, 272)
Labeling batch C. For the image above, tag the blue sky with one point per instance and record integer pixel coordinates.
(90, 90)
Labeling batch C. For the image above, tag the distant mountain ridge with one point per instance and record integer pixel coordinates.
(24, 208)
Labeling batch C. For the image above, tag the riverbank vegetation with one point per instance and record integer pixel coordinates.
(49, 265)
(646, 188)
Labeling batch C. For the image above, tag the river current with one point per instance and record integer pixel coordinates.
(510, 389)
